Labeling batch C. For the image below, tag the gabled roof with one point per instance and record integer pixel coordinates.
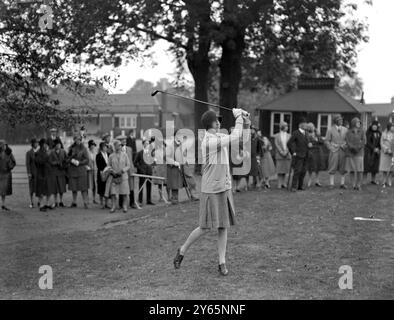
(381, 109)
(316, 100)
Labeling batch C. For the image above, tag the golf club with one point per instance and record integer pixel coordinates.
(191, 99)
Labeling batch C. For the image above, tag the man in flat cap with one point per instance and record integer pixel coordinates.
(216, 201)
(336, 144)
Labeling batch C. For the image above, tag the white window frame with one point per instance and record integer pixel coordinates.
(123, 121)
(282, 118)
(329, 120)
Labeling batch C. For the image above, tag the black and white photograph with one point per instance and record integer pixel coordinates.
(199, 152)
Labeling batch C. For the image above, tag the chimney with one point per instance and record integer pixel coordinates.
(362, 101)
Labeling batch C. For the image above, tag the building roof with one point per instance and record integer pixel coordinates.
(107, 103)
(381, 109)
(316, 100)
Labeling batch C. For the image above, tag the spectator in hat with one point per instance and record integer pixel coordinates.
(282, 154)
(107, 139)
(53, 135)
(144, 168)
(298, 146)
(336, 143)
(355, 141)
(57, 173)
(102, 163)
(7, 164)
(32, 169)
(129, 152)
(372, 151)
(120, 165)
(43, 172)
(92, 169)
(314, 164)
(78, 178)
(266, 163)
(386, 154)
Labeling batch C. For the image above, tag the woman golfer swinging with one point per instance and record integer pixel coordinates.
(216, 202)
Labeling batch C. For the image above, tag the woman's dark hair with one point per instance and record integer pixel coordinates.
(389, 125)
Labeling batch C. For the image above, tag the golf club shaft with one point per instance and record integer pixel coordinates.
(191, 99)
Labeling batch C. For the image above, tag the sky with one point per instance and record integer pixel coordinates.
(375, 65)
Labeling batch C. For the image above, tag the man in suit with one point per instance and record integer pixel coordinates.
(336, 144)
(131, 142)
(298, 147)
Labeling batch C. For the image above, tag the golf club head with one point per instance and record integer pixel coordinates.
(154, 93)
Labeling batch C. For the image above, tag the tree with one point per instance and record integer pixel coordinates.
(33, 60)
(277, 42)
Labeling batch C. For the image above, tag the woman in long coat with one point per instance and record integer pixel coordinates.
(159, 168)
(57, 175)
(267, 164)
(355, 141)
(31, 169)
(314, 160)
(282, 154)
(254, 158)
(7, 163)
(102, 163)
(43, 175)
(174, 162)
(78, 177)
(120, 165)
(372, 151)
(386, 154)
(92, 169)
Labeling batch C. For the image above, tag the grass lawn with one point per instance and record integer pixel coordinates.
(284, 246)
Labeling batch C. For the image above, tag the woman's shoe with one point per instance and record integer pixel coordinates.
(223, 270)
(5, 208)
(124, 210)
(318, 184)
(113, 210)
(61, 205)
(31, 206)
(73, 205)
(178, 259)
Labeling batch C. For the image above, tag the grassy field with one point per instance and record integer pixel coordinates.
(284, 246)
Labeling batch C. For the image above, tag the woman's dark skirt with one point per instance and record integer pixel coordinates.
(216, 210)
(100, 185)
(42, 187)
(5, 184)
(314, 162)
(79, 183)
(57, 184)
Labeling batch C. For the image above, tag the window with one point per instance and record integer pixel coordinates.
(126, 121)
(324, 122)
(277, 118)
